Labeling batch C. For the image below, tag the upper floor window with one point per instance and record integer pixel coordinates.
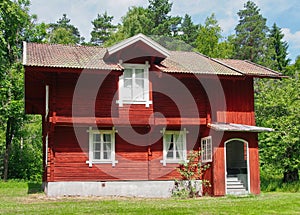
(174, 147)
(134, 85)
(206, 149)
(101, 147)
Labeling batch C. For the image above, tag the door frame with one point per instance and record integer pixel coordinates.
(225, 161)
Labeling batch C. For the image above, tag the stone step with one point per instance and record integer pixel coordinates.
(237, 191)
(232, 179)
(235, 186)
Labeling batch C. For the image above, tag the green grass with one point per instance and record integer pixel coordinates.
(270, 183)
(26, 198)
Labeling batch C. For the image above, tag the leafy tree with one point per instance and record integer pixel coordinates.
(277, 107)
(225, 48)
(14, 19)
(209, 36)
(136, 21)
(36, 32)
(103, 29)
(63, 32)
(280, 48)
(251, 34)
(189, 30)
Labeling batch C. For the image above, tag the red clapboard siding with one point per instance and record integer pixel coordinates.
(239, 102)
(218, 165)
(183, 98)
(102, 103)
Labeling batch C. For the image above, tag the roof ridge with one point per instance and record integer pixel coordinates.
(66, 45)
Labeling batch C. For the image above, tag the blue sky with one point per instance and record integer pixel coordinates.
(285, 13)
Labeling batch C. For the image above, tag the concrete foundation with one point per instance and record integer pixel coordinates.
(147, 189)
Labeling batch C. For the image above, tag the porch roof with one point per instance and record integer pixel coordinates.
(221, 126)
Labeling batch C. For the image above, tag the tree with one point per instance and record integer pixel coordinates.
(103, 29)
(63, 32)
(280, 48)
(208, 36)
(14, 20)
(189, 30)
(136, 21)
(162, 23)
(277, 106)
(251, 34)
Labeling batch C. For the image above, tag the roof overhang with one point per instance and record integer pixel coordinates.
(221, 126)
(135, 47)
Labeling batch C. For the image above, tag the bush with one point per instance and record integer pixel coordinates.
(191, 181)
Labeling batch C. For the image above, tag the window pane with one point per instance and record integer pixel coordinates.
(107, 155)
(97, 147)
(139, 73)
(106, 146)
(97, 155)
(139, 90)
(170, 151)
(106, 138)
(127, 91)
(96, 137)
(127, 73)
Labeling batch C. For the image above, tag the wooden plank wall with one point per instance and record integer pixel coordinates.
(102, 104)
(218, 168)
(137, 159)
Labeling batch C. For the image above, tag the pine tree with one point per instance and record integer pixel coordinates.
(251, 34)
(161, 20)
(63, 32)
(103, 29)
(189, 30)
(280, 48)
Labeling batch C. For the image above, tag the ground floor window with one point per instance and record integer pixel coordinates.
(206, 149)
(101, 146)
(174, 146)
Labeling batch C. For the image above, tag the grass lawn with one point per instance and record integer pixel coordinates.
(26, 198)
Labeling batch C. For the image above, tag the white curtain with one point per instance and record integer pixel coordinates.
(180, 146)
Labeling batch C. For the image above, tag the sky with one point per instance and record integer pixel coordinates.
(285, 13)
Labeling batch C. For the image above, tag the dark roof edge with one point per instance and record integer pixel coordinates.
(230, 67)
(266, 68)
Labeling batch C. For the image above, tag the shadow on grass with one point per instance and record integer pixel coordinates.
(34, 187)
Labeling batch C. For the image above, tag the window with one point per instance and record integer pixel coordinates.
(174, 147)
(206, 149)
(134, 85)
(101, 147)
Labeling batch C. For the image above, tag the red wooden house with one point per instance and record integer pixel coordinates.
(118, 120)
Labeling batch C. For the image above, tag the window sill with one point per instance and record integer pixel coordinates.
(164, 162)
(113, 162)
(121, 102)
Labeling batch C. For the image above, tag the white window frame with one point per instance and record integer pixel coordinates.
(112, 159)
(206, 149)
(165, 159)
(122, 100)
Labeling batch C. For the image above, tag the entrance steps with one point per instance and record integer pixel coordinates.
(235, 186)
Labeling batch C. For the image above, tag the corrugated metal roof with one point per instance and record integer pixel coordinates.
(248, 68)
(192, 62)
(66, 56)
(92, 57)
(219, 126)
